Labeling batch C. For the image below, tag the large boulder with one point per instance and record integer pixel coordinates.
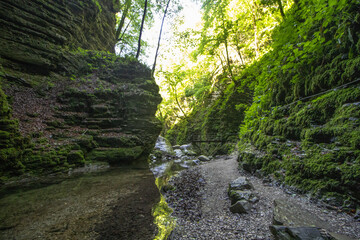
(241, 183)
(299, 233)
(237, 195)
(203, 158)
(291, 214)
(299, 223)
(241, 206)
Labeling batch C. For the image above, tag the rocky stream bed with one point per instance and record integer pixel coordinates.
(115, 203)
(124, 203)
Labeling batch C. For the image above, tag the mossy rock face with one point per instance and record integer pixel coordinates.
(217, 120)
(76, 157)
(117, 155)
(50, 27)
(10, 140)
(321, 159)
(86, 102)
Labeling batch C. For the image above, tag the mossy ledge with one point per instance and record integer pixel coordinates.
(65, 99)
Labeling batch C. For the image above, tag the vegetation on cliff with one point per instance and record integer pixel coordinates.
(279, 78)
(282, 79)
(65, 99)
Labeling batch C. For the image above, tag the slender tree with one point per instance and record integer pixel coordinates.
(281, 8)
(158, 45)
(122, 20)
(141, 29)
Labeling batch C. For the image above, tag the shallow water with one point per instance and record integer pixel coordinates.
(117, 202)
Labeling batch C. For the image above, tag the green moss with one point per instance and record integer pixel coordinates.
(4, 106)
(118, 141)
(117, 155)
(86, 142)
(10, 161)
(76, 157)
(320, 159)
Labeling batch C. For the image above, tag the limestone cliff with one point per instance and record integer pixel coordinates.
(65, 98)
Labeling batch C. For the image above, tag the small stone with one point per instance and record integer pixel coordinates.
(241, 183)
(241, 206)
(266, 180)
(176, 147)
(254, 200)
(203, 158)
(196, 161)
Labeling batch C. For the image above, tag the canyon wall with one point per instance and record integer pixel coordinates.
(65, 98)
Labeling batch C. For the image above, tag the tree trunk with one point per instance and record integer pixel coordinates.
(178, 103)
(228, 60)
(141, 29)
(238, 50)
(255, 35)
(281, 9)
(122, 35)
(122, 20)
(158, 46)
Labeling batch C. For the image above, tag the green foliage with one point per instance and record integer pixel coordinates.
(298, 94)
(128, 22)
(323, 155)
(96, 2)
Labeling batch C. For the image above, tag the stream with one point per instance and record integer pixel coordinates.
(96, 202)
(113, 204)
(101, 202)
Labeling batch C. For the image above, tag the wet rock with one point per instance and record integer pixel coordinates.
(176, 147)
(196, 161)
(163, 145)
(241, 183)
(241, 206)
(299, 233)
(188, 149)
(203, 158)
(178, 153)
(190, 153)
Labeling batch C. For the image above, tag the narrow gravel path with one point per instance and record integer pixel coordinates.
(211, 206)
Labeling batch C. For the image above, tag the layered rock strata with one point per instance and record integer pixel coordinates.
(65, 99)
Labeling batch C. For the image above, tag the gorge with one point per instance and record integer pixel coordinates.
(94, 144)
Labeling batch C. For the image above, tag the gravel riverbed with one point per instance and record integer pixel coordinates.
(201, 205)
